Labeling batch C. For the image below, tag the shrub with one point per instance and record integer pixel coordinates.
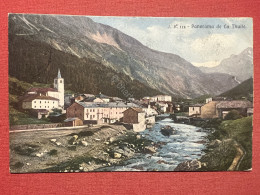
(233, 115)
(85, 133)
(18, 165)
(26, 149)
(53, 152)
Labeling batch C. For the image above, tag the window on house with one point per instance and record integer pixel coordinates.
(34, 106)
(40, 102)
(60, 81)
(34, 101)
(193, 108)
(40, 106)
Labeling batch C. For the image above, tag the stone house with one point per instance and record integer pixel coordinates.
(241, 106)
(195, 110)
(136, 118)
(133, 116)
(209, 110)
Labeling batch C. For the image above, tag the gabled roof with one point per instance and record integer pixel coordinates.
(100, 95)
(234, 104)
(41, 90)
(40, 97)
(138, 110)
(90, 99)
(106, 105)
(196, 105)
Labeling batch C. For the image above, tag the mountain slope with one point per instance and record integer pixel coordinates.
(245, 89)
(82, 38)
(240, 66)
(40, 62)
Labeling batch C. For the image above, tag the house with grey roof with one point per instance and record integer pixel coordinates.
(242, 106)
(96, 113)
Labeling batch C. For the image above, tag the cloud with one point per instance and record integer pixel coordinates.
(207, 64)
(216, 47)
(200, 46)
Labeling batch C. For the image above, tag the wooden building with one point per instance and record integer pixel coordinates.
(72, 122)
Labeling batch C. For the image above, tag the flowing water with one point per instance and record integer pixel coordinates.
(185, 144)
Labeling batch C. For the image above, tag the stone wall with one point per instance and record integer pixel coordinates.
(36, 126)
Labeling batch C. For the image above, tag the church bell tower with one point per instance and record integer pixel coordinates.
(59, 85)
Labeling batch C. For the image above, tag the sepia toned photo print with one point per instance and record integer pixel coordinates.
(99, 93)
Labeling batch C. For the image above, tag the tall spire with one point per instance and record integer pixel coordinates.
(59, 75)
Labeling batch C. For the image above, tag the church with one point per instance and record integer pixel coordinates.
(45, 99)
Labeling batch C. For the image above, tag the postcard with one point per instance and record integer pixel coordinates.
(98, 93)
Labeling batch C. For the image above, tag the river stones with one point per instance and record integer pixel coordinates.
(191, 165)
(149, 149)
(117, 155)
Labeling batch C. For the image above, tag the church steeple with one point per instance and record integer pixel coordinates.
(59, 86)
(59, 75)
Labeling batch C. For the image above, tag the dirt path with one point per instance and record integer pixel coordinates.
(238, 158)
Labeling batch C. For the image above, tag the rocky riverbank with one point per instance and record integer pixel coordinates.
(81, 150)
(229, 147)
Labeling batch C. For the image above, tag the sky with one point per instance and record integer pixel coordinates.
(201, 46)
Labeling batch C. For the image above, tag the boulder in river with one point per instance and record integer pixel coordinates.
(149, 149)
(167, 130)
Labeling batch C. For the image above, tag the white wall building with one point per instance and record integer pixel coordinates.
(56, 92)
(195, 109)
(40, 102)
(150, 111)
(159, 98)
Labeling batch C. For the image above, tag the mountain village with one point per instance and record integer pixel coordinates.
(86, 96)
(90, 109)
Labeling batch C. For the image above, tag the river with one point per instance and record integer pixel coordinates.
(185, 144)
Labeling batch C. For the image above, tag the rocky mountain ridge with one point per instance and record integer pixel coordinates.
(240, 66)
(83, 38)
